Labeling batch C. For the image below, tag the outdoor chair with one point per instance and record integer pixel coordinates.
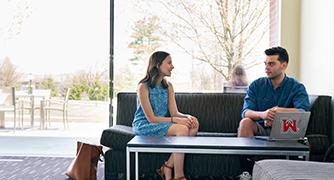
(57, 105)
(32, 102)
(8, 103)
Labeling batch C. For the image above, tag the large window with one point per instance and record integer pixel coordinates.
(58, 45)
(206, 39)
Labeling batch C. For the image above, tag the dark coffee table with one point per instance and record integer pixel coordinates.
(212, 145)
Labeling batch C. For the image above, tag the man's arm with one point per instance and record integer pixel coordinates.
(250, 103)
(265, 115)
(250, 108)
(268, 115)
(254, 115)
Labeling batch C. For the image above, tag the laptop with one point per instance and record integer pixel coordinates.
(288, 126)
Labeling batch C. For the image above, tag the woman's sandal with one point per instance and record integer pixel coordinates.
(161, 171)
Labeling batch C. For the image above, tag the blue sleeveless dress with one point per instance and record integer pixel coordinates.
(158, 97)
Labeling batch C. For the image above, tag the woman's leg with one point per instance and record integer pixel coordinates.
(176, 160)
(193, 131)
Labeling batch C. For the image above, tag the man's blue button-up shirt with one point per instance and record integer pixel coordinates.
(261, 95)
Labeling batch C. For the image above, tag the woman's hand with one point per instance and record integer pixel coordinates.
(184, 121)
(193, 120)
(189, 121)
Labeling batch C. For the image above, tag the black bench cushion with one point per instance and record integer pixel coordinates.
(116, 137)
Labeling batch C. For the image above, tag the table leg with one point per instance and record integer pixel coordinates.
(2, 119)
(307, 156)
(127, 163)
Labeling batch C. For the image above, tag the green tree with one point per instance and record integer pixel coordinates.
(49, 83)
(145, 38)
(95, 84)
(76, 91)
(98, 91)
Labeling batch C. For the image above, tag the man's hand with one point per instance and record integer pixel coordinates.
(268, 116)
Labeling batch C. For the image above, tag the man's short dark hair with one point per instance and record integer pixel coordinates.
(281, 52)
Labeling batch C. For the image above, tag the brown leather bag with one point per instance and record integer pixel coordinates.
(84, 165)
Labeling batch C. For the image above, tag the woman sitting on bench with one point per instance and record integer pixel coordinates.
(155, 100)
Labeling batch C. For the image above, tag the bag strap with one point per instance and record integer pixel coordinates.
(100, 151)
(98, 147)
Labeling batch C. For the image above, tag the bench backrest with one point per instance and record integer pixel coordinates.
(220, 112)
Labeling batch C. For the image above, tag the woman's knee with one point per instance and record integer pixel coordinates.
(182, 130)
(193, 131)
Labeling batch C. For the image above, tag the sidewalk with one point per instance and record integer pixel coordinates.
(87, 120)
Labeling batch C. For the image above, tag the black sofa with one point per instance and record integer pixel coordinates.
(218, 115)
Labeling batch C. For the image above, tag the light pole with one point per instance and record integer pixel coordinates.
(30, 83)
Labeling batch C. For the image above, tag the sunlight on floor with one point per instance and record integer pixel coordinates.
(53, 142)
(57, 130)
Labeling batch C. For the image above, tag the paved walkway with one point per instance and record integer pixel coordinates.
(87, 120)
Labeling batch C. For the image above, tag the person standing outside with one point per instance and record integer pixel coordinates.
(239, 76)
(267, 95)
(155, 99)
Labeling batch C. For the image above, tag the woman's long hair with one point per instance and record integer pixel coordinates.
(153, 73)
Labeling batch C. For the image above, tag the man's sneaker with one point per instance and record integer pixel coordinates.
(245, 176)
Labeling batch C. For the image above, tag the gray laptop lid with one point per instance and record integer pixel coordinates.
(289, 126)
